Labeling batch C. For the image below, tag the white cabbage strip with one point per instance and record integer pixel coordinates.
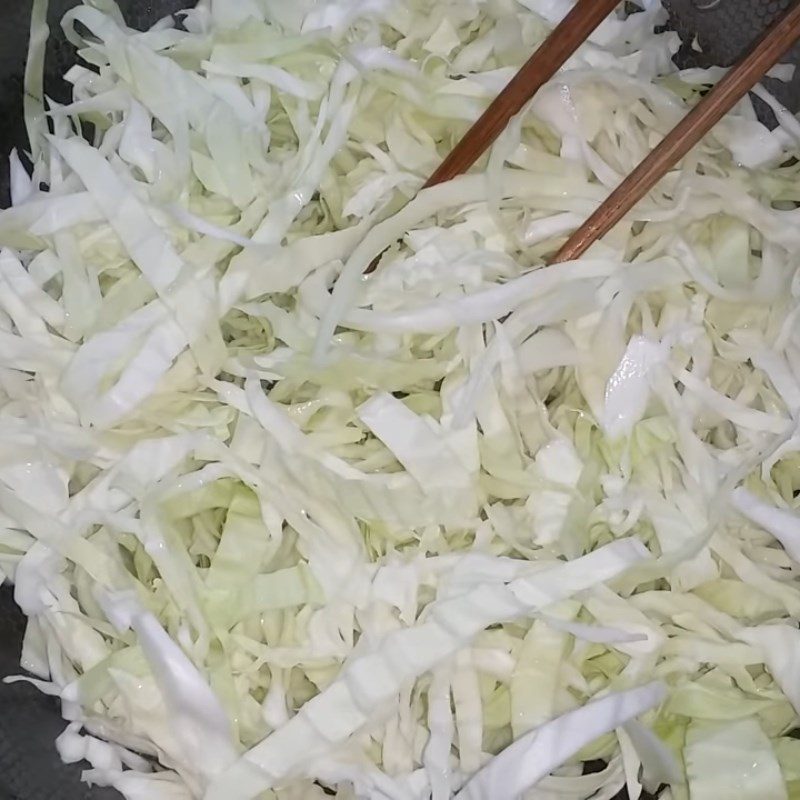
(451, 529)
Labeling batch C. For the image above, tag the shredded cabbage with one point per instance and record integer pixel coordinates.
(450, 529)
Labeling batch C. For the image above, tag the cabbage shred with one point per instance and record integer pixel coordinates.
(451, 529)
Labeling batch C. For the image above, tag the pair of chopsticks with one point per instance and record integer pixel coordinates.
(565, 39)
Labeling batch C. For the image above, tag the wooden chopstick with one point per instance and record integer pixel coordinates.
(565, 39)
(689, 131)
(562, 42)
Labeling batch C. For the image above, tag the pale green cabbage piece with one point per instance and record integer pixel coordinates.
(452, 529)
